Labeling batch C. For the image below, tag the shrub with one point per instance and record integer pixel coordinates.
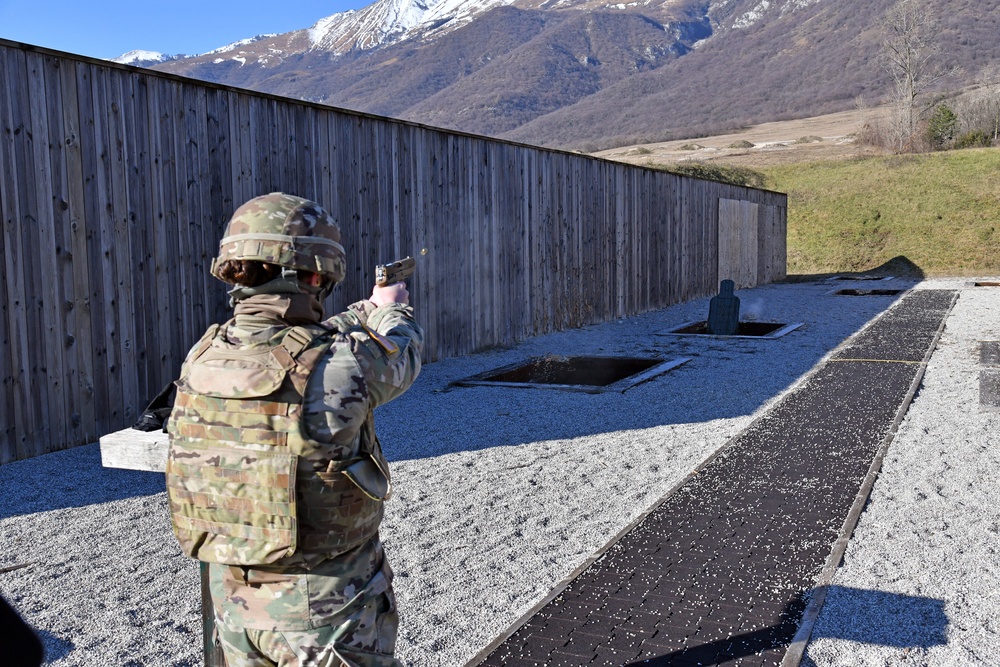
(742, 144)
(974, 139)
(732, 175)
(870, 135)
(810, 139)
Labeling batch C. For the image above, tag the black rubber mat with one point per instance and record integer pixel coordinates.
(719, 573)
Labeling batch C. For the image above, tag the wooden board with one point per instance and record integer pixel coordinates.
(135, 450)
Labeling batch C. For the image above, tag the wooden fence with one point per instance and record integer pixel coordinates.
(115, 184)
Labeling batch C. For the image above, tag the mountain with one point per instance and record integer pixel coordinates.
(820, 59)
(589, 74)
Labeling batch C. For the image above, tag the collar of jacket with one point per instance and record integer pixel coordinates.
(280, 309)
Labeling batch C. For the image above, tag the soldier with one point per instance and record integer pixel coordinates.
(275, 476)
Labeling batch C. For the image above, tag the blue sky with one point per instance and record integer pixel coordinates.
(109, 28)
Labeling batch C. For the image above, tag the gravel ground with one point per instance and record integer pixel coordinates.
(501, 493)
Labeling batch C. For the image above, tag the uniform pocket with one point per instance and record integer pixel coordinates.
(262, 600)
(386, 623)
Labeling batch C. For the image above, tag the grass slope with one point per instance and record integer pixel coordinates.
(941, 211)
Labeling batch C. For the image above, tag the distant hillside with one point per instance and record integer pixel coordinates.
(586, 74)
(569, 60)
(814, 62)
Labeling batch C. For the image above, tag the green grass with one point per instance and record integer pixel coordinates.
(941, 211)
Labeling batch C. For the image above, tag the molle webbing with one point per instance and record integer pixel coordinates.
(230, 507)
(247, 486)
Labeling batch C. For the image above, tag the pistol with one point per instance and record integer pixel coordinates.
(395, 272)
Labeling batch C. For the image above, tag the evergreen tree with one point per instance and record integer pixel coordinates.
(941, 127)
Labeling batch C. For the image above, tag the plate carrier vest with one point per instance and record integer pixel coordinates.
(246, 485)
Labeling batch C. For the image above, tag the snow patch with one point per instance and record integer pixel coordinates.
(140, 56)
(754, 15)
(757, 13)
(238, 44)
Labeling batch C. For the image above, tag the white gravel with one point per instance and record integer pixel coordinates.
(501, 493)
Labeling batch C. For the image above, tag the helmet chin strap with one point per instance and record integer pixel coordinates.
(324, 290)
(287, 283)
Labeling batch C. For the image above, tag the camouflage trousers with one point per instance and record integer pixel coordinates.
(366, 638)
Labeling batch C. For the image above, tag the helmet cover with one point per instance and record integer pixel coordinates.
(287, 231)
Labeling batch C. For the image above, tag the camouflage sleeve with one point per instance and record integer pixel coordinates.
(391, 348)
(372, 366)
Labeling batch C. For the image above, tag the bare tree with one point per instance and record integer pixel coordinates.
(979, 108)
(989, 88)
(912, 60)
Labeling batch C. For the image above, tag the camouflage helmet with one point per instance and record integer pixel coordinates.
(287, 231)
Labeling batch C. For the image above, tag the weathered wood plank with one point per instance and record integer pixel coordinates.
(165, 238)
(117, 249)
(220, 205)
(139, 174)
(105, 241)
(243, 147)
(71, 227)
(188, 272)
(219, 171)
(60, 275)
(197, 189)
(428, 186)
(308, 159)
(44, 265)
(326, 158)
(13, 334)
(176, 270)
(123, 254)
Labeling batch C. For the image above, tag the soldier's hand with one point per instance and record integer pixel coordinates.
(394, 293)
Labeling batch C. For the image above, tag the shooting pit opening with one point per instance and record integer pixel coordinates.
(986, 284)
(587, 374)
(743, 330)
(868, 292)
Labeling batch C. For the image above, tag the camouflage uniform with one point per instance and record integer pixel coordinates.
(275, 475)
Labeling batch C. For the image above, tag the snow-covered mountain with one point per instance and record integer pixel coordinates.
(388, 21)
(590, 73)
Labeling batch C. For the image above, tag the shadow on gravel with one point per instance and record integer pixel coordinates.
(881, 619)
(55, 647)
(70, 478)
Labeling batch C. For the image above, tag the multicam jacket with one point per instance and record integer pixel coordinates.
(275, 474)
